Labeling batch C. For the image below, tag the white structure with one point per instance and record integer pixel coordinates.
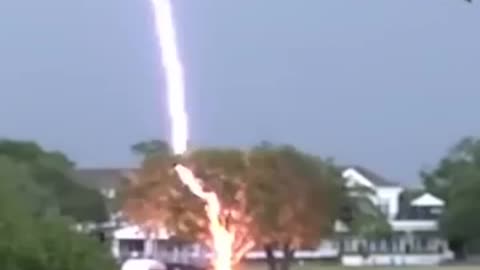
(412, 215)
(132, 242)
(143, 264)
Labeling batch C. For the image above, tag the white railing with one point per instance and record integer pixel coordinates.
(414, 225)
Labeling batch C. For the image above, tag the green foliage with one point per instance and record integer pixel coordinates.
(67, 250)
(16, 218)
(361, 216)
(295, 195)
(462, 163)
(456, 179)
(153, 147)
(36, 239)
(51, 173)
(16, 176)
(461, 219)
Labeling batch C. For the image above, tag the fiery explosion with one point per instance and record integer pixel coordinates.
(223, 238)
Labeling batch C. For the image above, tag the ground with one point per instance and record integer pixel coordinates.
(316, 266)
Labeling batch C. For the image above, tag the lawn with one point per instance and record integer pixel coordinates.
(318, 266)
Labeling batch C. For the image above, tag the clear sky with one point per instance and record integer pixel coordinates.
(385, 84)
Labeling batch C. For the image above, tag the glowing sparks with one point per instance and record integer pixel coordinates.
(222, 238)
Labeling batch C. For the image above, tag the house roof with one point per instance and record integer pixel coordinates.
(427, 200)
(411, 200)
(373, 177)
(99, 178)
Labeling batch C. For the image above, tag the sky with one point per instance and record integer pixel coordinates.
(389, 85)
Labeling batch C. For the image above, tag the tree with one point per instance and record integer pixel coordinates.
(361, 216)
(156, 197)
(36, 239)
(18, 195)
(16, 176)
(153, 147)
(269, 194)
(296, 199)
(363, 220)
(461, 219)
(67, 249)
(456, 179)
(52, 171)
(323, 190)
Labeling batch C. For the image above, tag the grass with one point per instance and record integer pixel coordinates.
(319, 266)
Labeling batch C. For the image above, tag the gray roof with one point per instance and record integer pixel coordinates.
(375, 178)
(99, 178)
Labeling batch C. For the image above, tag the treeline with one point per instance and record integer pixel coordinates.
(277, 196)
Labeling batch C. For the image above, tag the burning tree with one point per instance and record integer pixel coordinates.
(274, 197)
(157, 198)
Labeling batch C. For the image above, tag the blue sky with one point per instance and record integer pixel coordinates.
(385, 84)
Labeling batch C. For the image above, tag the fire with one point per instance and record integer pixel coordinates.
(223, 238)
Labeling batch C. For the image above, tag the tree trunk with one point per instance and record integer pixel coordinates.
(271, 260)
(288, 255)
(457, 246)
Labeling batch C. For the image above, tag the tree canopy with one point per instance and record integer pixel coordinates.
(157, 198)
(273, 194)
(296, 197)
(50, 175)
(456, 179)
(35, 237)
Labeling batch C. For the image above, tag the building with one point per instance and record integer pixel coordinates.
(133, 241)
(412, 214)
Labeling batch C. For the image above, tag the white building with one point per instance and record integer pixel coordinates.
(413, 216)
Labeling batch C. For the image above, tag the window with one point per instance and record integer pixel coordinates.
(372, 246)
(436, 210)
(424, 241)
(355, 244)
(128, 247)
(347, 245)
(383, 247)
(394, 245)
(334, 244)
